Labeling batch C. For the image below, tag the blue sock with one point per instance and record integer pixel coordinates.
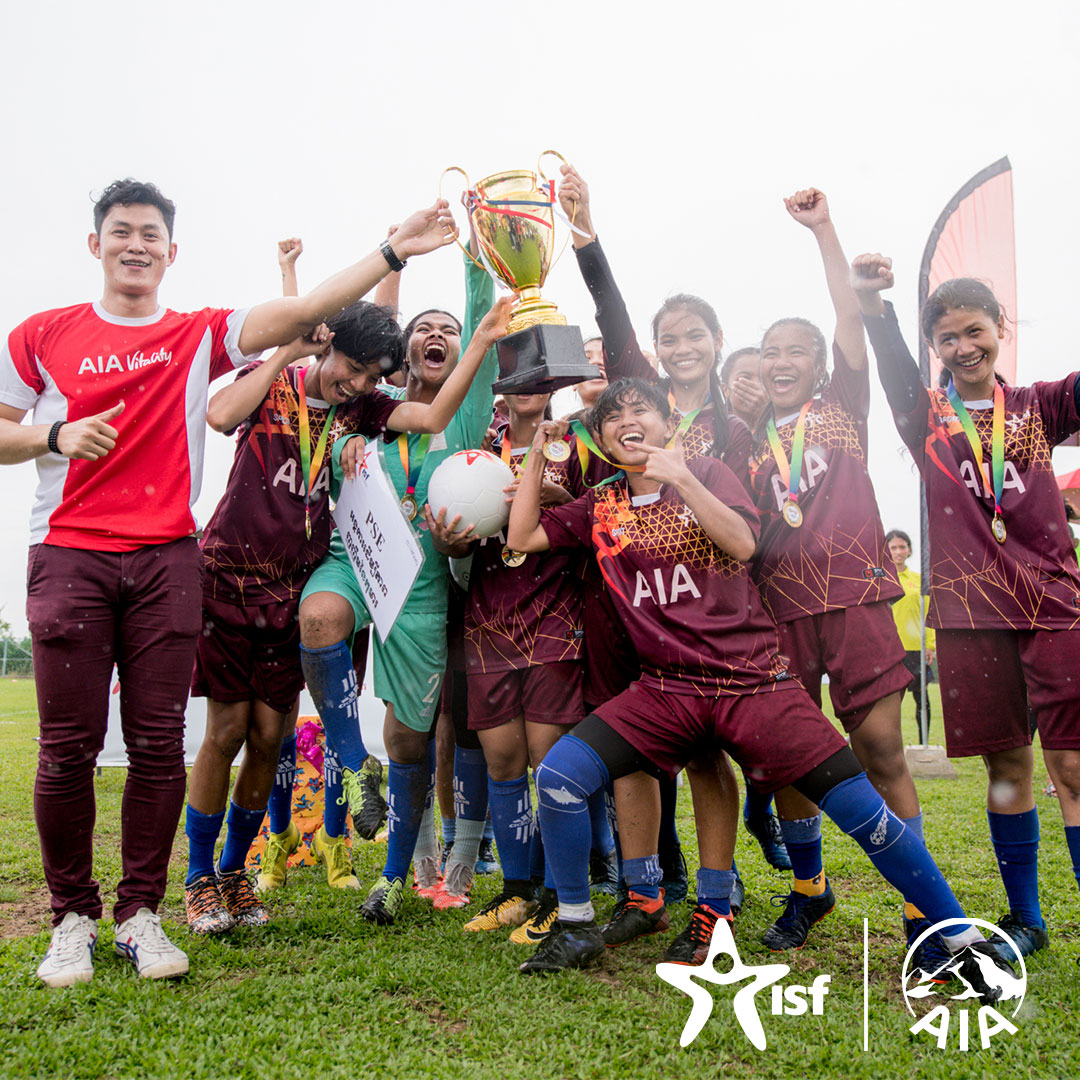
(449, 827)
(602, 841)
(1072, 838)
(897, 853)
(1016, 845)
(489, 829)
(566, 778)
(331, 680)
(802, 838)
(202, 833)
(335, 806)
(714, 890)
(406, 790)
(915, 825)
(756, 805)
(470, 784)
(512, 818)
(537, 862)
(643, 876)
(243, 826)
(280, 805)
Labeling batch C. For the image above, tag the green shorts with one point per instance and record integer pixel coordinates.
(410, 664)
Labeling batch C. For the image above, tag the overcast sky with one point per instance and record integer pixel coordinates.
(690, 122)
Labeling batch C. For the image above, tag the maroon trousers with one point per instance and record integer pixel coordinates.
(88, 610)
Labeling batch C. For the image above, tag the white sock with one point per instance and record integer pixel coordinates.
(956, 942)
(576, 912)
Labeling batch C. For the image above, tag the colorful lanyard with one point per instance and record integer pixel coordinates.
(409, 504)
(790, 473)
(505, 450)
(586, 445)
(311, 469)
(997, 449)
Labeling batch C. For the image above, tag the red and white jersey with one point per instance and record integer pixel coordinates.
(78, 361)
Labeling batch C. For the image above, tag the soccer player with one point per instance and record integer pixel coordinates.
(821, 563)
(688, 339)
(270, 530)
(908, 618)
(408, 666)
(672, 540)
(1004, 583)
(118, 390)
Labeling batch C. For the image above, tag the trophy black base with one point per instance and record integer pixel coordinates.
(541, 359)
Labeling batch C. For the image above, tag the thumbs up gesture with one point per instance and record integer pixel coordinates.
(90, 438)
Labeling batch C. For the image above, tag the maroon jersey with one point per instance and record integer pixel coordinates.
(527, 615)
(837, 558)
(1031, 582)
(691, 610)
(255, 545)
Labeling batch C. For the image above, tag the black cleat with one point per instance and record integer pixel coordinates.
(604, 873)
(692, 945)
(1028, 939)
(800, 913)
(981, 967)
(675, 879)
(569, 945)
(766, 830)
(636, 916)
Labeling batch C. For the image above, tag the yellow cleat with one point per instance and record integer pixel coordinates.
(507, 909)
(275, 859)
(333, 851)
(539, 925)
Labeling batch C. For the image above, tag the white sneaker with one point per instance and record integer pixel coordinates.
(70, 958)
(141, 940)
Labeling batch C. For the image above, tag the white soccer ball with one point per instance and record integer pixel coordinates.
(470, 483)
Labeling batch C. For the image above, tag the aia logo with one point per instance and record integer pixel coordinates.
(970, 975)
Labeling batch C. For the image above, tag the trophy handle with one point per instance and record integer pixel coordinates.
(468, 187)
(547, 180)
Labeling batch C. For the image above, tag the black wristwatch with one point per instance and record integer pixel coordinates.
(394, 262)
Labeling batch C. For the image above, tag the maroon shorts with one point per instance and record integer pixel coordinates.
(249, 652)
(989, 679)
(858, 648)
(777, 735)
(546, 694)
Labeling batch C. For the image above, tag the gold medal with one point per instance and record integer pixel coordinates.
(307, 522)
(792, 513)
(557, 451)
(513, 558)
(409, 506)
(997, 527)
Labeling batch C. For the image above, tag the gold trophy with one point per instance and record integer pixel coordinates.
(513, 220)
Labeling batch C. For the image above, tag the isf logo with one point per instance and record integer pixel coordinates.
(967, 976)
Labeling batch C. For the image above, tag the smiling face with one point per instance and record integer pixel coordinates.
(966, 342)
(338, 378)
(630, 422)
(433, 348)
(685, 346)
(899, 551)
(591, 389)
(134, 248)
(791, 367)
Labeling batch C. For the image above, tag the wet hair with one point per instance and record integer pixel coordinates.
(415, 321)
(705, 311)
(627, 392)
(729, 364)
(898, 534)
(964, 293)
(128, 192)
(367, 334)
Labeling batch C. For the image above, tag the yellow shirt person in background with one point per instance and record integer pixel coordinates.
(906, 613)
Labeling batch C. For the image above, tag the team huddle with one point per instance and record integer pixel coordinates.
(693, 543)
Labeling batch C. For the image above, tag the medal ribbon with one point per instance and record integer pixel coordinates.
(505, 451)
(311, 468)
(997, 439)
(412, 472)
(789, 473)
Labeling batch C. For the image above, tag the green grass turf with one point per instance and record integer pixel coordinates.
(321, 993)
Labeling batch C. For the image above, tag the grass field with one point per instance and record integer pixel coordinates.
(321, 993)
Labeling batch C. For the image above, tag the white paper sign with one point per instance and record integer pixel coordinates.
(383, 549)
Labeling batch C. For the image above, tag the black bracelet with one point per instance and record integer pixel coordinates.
(394, 262)
(54, 431)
